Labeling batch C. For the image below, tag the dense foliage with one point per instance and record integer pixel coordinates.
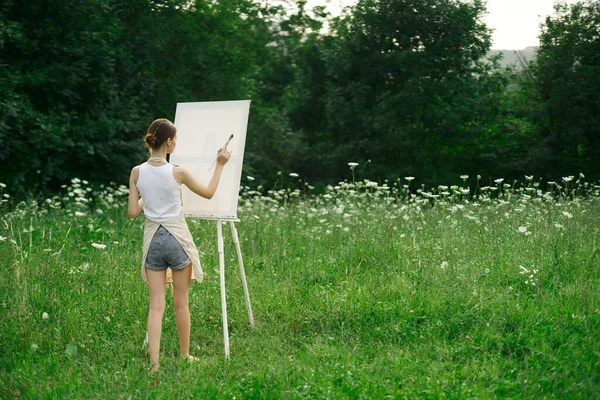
(402, 83)
(568, 85)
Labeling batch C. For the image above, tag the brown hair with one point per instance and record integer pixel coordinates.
(158, 132)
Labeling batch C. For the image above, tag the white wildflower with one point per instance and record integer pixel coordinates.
(107, 318)
(293, 175)
(567, 214)
(522, 229)
(352, 165)
(568, 178)
(45, 315)
(581, 175)
(2, 185)
(499, 180)
(34, 347)
(409, 178)
(2, 238)
(250, 178)
(444, 265)
(464, 177)
(529, 178)
(523, 270)
(79, 214)
(99, 246)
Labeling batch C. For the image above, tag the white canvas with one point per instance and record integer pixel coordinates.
(202, 128)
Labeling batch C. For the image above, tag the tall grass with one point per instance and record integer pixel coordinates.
(365, 291)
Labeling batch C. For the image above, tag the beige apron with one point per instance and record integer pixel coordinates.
(179, 229)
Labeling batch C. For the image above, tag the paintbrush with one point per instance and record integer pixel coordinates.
(222, 148)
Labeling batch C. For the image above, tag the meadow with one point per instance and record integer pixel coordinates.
(367, 290)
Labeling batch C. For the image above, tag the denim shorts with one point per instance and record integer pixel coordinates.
(166, 252)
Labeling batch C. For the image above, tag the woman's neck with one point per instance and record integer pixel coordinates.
(160, 153)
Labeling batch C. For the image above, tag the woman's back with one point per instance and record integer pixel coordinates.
(160, 191)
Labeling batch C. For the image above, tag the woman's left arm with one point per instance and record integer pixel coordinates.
(135, 205)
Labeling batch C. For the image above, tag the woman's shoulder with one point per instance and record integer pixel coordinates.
(181, 175)
(179, 170)
(135, 171)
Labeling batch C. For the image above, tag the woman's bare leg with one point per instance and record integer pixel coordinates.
(181, 289)
(156, 285)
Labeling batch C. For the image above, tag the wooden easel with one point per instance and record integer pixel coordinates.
(221, 250)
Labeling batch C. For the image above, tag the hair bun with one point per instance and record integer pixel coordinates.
(151, 140)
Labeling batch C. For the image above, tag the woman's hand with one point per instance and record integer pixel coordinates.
(223, 156)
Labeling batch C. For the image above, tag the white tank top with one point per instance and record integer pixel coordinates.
(160, 191)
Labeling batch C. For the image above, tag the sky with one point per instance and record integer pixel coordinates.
(515, 22)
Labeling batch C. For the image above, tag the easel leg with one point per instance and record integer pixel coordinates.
(221, 249)
(242, 272)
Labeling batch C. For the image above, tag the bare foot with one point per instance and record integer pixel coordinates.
(154, 368)
(191, 359)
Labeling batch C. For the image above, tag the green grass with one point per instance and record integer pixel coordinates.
(363, 292)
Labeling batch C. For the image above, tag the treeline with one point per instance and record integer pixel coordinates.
(401, 87)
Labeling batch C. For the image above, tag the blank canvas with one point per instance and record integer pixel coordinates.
(202, 128)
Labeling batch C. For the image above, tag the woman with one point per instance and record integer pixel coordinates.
(167, 239)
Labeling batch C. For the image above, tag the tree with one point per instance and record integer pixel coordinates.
(68, 104)
(398, 82)
(568, 82)
(81, 81)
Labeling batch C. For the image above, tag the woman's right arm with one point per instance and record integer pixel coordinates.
(201, 190)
